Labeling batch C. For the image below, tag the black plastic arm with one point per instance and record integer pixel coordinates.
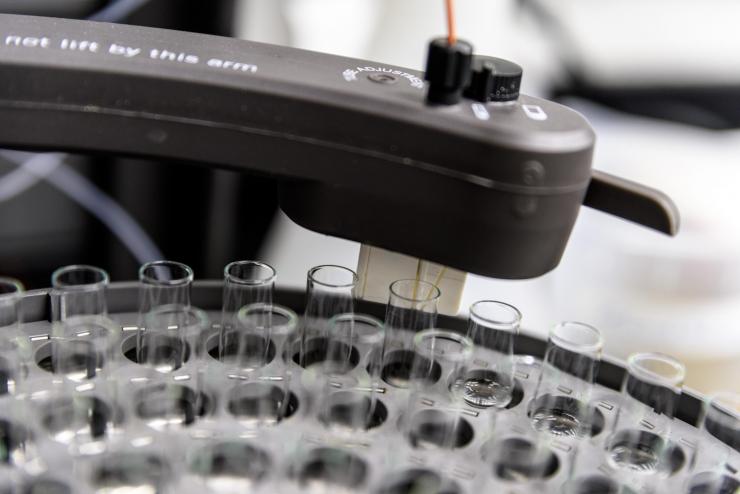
(490, 189)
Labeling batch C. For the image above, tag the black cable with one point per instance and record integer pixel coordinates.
(117, 10)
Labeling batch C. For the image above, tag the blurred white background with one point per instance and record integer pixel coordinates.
(646, 292)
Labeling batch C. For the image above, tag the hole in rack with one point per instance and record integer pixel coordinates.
(325, 469)
(317, 350)
(559, 415)
(398, 365)
(518, 459)
(77, 360)
(130, 351)
(250, 351)
(417, 481)
(163, 406)
(131, 472)
(713, 483)
(596, 484)
(437, 429)
(258, 403)
(231, 466)
(46, 486)
(354, 410)
(66, 418)
(643, 451)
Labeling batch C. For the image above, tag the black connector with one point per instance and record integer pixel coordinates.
(448, 70)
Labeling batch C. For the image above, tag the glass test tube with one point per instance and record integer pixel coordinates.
(412, 307)
(164, 283)
(587, 475)
(561, 404)
(521, 462)
(330, 290)
(492, 326)
(351, 376)
(262, 396)
(13, 352)
(83, 339)
(639, 442)
(78, 291)
(83, 346)
(434, 415)
(171, 337)
(245, 283)
(718, 447)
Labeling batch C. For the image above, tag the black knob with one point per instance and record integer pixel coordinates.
(448, 70)
(494, 79)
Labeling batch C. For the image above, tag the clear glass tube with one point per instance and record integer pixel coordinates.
(561, 404)
(13, 351)
(436, 401)
(83, 346)
(492, 326)
(718, 444)
(521, 461)
(164, 283)
(245, 283)
(330, 290)
(171, 336)
(263, 398)
(351, 377)
(639, 442)
(412, 307)
(78, 291)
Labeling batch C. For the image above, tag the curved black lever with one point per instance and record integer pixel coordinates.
(633, 202)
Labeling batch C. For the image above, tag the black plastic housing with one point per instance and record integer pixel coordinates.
(490, 189)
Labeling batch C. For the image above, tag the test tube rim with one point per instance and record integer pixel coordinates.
(16, 288)
(465, 342)
(203, 321)
(635, 368)
(434, 292)
(315, 269)
(288, 313)
(512, 325)
(559, 340)
(250, 282)
(363, 318)
(182, 281)
(102, 283)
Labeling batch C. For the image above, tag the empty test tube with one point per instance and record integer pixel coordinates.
(351, 375)
(434, 416)
(164, 283)
(330, 290)
(83, 346)
(492, 326)
(412, 307)
(78, 291)
(639, 447)
(245, 283)
(13, 349)
(561, 404)
(715, 466)
(83, 339)
(171, 337)
(260, 396)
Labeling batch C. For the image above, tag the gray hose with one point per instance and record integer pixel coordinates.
(51, 168)
(117, 10)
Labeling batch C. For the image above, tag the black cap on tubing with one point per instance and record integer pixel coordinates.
(448, 70)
